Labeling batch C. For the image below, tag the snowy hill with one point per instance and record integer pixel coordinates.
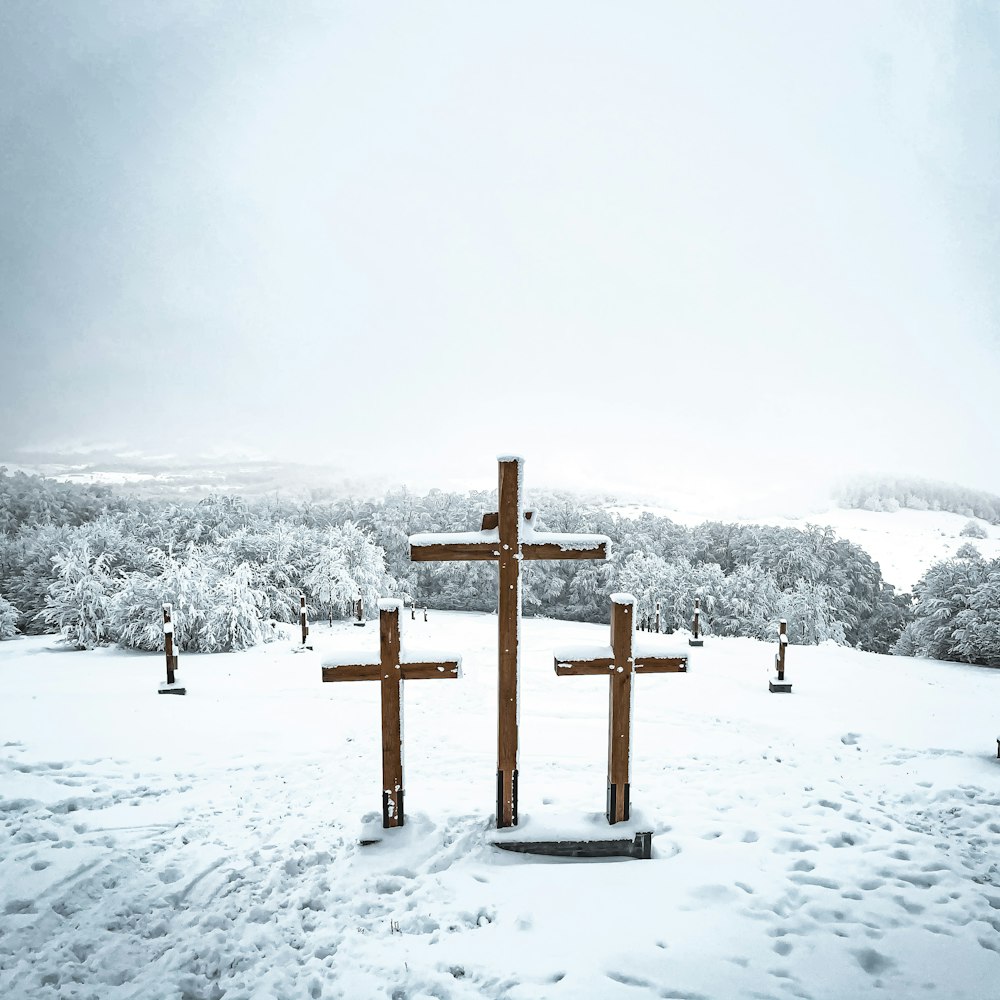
(843, 841)
(905, 543)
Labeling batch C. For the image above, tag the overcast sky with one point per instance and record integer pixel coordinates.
(644, 244)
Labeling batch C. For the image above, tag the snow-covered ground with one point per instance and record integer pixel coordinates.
(840, 842)
(905, 543)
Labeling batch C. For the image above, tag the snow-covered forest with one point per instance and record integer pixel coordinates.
(891, 494)
(96, 567)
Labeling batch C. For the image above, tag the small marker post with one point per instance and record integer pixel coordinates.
(358, 611)
(302, 620)
(657, 617)
(171, 686)
(425, 612)
(779, 685)
(696, 639)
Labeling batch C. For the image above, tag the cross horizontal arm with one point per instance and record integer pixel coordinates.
(455, 546)
(556, 545)
(351, 671)
(584, 668)
(430, 671)
(661, 665)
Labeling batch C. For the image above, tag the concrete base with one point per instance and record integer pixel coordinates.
(696, 642)
(640, 847)
(779, 687)
(174, 688)
(360, 624)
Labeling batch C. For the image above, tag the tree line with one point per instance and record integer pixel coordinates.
(96, 567)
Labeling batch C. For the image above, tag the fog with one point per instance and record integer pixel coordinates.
(723, 247)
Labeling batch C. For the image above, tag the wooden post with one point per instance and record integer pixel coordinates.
(413, 612)
(507, 536)
(302, 618)
(391, 668)
(358, 610)
(780, 685)
(696, 639)
(625, 660)
(657, 617)
(171, 687)
(425, 612)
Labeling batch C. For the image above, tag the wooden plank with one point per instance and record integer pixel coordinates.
(455, 552)
(392, 719)
(508, 616)
(429, 671)
(352, 672)
(601, 666)
(661, 665)
(552, 550)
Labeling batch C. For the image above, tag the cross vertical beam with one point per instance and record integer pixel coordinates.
(508, 622)
(392, 716)
(620, 712)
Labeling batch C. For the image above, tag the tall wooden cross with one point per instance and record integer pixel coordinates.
(620, 661)
(507, 537)
(390, 667)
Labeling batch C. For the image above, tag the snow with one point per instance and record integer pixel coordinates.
(839, 842)
(646, 645)
(565, 654)
(491, 537)
(622, 599)
(390, 604)
(567, 541)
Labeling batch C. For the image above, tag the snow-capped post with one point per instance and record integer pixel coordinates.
(779, 685)
(302, 618)
(507, 536)
(390, 666)
(413, 611)
(171, 686)
(425, 612)
(627, 658)
(657, 617)
(696, 639)
(358, 610)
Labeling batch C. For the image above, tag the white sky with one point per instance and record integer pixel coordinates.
(643, 244)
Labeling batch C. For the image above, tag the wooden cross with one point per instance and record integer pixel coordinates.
(507, 537)
(619, 661)
(390, 667)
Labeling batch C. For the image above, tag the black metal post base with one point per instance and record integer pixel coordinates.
(612, 801)
(500, 798)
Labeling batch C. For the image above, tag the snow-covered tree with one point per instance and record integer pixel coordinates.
(347, 564)
(77, 602)
(973, 529)
(233, 619)
(9, 616)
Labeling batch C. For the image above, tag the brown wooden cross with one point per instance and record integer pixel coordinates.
(391, 667)
(619, 661)
(507, 537)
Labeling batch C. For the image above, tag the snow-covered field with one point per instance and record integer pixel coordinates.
(905, 543)
(843, 841)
